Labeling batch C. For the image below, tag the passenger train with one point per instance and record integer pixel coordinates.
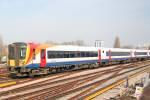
(35, 59)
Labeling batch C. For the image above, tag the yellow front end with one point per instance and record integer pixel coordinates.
(11, 63)
(16, 56)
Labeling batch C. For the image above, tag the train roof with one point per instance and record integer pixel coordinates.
(87, 48)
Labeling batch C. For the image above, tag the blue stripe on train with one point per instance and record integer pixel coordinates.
(59, 64)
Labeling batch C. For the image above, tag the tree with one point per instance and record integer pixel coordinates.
(129, 47)
(1, 46)
(51, 43)
(5, 50)
(77, 42)
(68, 43)
(117, 42)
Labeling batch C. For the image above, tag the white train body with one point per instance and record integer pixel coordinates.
(31, 56)
(105, 55)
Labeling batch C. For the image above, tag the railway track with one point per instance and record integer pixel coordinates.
(60, 87)
(5, 80)
(93, 87)
(3, 72)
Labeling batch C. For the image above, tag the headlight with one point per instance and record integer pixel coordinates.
(22, 62)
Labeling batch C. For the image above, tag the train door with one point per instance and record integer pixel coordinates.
(131, 54)
(34, 56)
(99, 56)
(43, 58)
(135, 54)
(109, 55)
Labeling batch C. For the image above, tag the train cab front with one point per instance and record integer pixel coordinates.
(16, 57)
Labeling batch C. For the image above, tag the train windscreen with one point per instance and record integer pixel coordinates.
(11, 52)
(17, 51)
(22, 52)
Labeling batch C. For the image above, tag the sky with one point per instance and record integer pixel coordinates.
(69, 20)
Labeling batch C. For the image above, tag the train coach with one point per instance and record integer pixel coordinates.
(34, 59)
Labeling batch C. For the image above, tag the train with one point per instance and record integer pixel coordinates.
(30, 59)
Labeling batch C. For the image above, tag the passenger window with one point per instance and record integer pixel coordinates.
(66, 54)
(78, 54)
(72, 54)
(82, 54)
(87, 54)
